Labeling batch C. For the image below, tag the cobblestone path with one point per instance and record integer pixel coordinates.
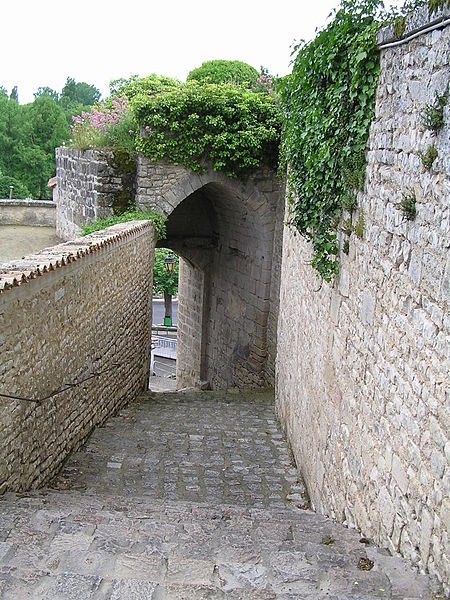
(203, 447)
(188, 496)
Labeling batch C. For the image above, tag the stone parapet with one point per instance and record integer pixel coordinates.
(415, 22)
(90, 185)
(28, 212)
(75, 329)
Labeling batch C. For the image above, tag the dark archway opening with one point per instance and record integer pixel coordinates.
(226, 248)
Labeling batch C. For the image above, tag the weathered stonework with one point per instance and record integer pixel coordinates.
(230, 233)
(80, 308)
(227, 230)
(28, 212)
(90, 184)
(191, 304)
(362, 367)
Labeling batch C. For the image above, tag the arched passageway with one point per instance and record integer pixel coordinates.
(225, 232)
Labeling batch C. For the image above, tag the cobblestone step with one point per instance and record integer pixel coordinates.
(188, 496)
(196, 446)
(71, 545)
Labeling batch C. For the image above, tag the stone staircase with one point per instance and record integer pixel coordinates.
(188, 496)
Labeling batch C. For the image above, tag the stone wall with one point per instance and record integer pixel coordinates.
(239, 293)
(233, 245)
(81, 308)
(227, 230)
(28, 212)
(190, 318)
(362, 366)
(90, 185)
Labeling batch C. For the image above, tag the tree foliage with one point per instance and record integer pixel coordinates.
(46, 91)
(224, 71)
(30, 133)
(79, 93)
(20, 190)
(164, 282)
(328, 104)
(14, 94)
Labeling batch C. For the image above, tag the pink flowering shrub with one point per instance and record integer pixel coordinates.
(265, 83)
(109, 124)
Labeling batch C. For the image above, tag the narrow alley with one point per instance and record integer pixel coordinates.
(189, 495)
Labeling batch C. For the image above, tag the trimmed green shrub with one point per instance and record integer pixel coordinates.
(224, 71)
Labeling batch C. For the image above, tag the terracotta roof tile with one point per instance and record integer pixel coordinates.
(18, 272)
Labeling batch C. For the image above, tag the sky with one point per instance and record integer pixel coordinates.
(43, 42)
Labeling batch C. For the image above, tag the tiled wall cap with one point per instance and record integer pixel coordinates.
(18, 272)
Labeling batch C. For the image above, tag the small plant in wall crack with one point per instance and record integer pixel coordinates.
(432, 116)
(428, 157)
(359, 226)
(408, 206)
(347, 227)
(399, 26)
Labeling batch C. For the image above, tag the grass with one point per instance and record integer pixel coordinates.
(129, 215)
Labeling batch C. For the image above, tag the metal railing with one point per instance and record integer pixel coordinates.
(164, 329)
(164, 342)
(64, 388)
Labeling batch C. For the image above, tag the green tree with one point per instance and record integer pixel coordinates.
(46, 91)
(34, 168)
(164, 282)
(12, 134)
(14, 94)
(224, 71)
(48, 123)
(19, 191)
(80, 93)
(77, 97)
(28, 137)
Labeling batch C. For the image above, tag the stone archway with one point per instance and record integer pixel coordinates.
(227, 233)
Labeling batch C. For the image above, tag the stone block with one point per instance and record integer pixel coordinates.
(399, 474)
(426, 530)
(368, 307)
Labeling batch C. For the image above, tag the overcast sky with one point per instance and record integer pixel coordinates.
(42, 42)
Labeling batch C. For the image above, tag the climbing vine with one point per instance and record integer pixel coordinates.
(328, 104)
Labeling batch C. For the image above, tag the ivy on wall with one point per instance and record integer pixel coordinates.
(328, 103)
